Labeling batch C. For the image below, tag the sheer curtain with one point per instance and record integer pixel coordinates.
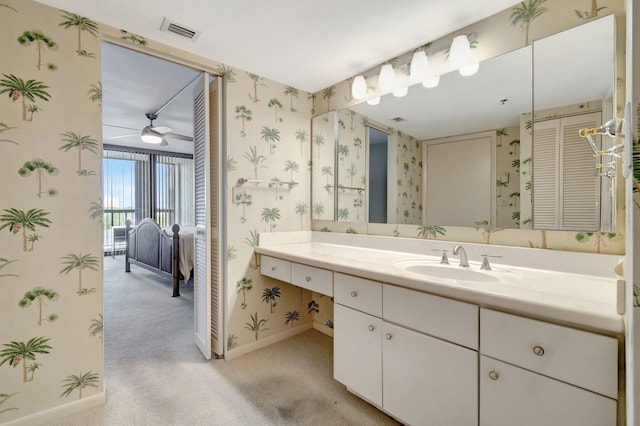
(174, 191)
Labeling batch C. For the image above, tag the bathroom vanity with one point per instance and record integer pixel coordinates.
(533, 341)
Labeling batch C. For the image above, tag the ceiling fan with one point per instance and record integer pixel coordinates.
(154, 134)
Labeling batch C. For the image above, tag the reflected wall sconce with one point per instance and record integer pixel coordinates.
(374, 101)
(387, 78)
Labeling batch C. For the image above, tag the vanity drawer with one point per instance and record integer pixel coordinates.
(312, 278)
(437, 316)
(578, 357)
(358, 293)
(276, 268)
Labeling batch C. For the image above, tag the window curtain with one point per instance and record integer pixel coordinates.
(174, 191)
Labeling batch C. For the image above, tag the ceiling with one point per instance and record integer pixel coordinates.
(134, 84)
(307, 45)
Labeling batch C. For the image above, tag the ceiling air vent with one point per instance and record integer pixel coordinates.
(178, 29)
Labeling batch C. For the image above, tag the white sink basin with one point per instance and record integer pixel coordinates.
(453, 272)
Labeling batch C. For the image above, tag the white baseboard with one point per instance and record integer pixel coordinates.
(60, 411)
(264, 342)
(323, 329)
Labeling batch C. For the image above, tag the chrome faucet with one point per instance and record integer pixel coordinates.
(463, 255)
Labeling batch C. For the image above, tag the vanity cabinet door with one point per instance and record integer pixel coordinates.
(511, 396)
(427, 381)
(357, 352)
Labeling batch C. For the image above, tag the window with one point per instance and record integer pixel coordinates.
(131, 191)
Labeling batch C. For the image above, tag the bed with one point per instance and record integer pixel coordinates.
(167, 252)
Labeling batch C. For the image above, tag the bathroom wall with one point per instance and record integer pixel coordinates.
(497, 35)
(51, 349)
(50, 207)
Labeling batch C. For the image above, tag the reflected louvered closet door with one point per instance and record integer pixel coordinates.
(546, 135)
(566, 188)
(580, 185)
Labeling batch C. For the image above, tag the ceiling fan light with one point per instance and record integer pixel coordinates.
(459, 51)
(387, 78)
(419, 67)
(374, 101)
(431, 82)
(151, 138)
(359, 88)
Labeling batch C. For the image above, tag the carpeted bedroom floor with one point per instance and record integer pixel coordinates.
(155, 375)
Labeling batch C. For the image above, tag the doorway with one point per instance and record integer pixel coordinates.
(148, 95)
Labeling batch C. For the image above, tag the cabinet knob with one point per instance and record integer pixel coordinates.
(388, 336)
(273, 268)
(308, 279)
(354, 293)
(371, 328)
(493, 375)
(538, 350)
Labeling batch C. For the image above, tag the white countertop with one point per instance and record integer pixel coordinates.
(584, 301)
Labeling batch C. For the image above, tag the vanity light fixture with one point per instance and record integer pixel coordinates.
(419, 68)
(401, 91)
(374, 101)
(470, 67)
(460, 56)
(431, 82)
(359, 87)
(387, 78)
(459, 51)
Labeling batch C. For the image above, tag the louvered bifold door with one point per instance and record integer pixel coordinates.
(546, 135)
(202, 266)
(214, 217)
(580, 183)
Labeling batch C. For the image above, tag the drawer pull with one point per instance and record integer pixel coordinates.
(538, 350)
(273, 268)
(308, 278)
(371, 328)
(388, 336)
(493, 375)
(354, 293)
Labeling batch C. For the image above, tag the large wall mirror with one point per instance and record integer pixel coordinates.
(499, 148)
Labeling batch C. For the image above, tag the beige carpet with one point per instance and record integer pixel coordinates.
(155, 375)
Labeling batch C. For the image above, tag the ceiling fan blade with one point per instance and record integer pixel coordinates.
(161, 129)
(123, 136)
(163, 143)
(118, 127)
(178, 137)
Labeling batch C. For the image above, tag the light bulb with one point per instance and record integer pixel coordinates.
(151, 138)
(374, 101)
(359, 88)
(419, 66)
(432, 82)
(459, 51)
(470, 67)
(401, 92)
(387, 78)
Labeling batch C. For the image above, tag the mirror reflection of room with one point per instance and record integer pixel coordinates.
(527, 180)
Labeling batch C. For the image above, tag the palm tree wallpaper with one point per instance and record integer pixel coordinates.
(44, 204)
